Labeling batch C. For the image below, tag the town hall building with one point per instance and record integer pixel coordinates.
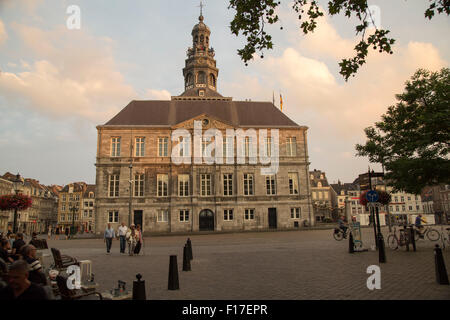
(138, 179)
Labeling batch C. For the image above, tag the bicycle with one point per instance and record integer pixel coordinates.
(431, 233)
(338, 234)
(394, 242)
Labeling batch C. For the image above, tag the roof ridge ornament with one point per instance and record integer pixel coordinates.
(201, 11)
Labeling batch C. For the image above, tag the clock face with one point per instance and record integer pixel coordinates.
(205, 122)
(201, 61)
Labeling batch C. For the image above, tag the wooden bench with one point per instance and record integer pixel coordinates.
(62, 261)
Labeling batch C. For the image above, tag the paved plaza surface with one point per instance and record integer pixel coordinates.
(291, 265)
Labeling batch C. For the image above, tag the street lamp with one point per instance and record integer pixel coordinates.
(17, 184)
(131, 187)
(73, 208)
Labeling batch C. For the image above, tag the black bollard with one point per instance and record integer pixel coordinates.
(186, 260)
(412, 237)
(139, 288)
(173, 274)
(351, 244)
(189, 249)
(381, 249)
(441, 271)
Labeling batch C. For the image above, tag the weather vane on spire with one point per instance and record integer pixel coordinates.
(201, 7)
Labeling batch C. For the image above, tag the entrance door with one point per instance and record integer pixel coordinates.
(273, 218)
(138, 219)
(206, 220)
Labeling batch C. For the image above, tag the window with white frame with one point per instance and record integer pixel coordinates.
(183, 185)
(163, 216)
(227, 144)
(293, 183)
(115, 147)
(63, 207)
(162, 185)
(248, 184)
(163, 147)
(269, 146)
(295, 213)
(184, 215)
(270, 185)
(64, 197)
(139, 146)
(90, 213)
(228, 214)
(113, 185)
(86, 213)
(228, 184)
(249, 214)
(139, 185)
(247, 146)
(113, 216)
(61, 218)
(205, 143)
(291, 146)
(205, 184)
(184, 146)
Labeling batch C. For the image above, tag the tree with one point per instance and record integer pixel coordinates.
(412, 141)
(252, 16)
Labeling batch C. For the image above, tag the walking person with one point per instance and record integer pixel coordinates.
(139, 239)
(132, 239)
(109, 235)
(49, 233)
(122, 232)
(57, 233)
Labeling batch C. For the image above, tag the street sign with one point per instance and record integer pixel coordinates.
(372, 196)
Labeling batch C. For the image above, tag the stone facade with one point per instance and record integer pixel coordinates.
(6, 187)
(151, 204)
(323, 197)
(77, 207)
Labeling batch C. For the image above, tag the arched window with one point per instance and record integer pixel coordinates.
(189, 79)
(195, 40)
(212, 80)
(207, 41)
(201, 77)
(319, 184)
(202, 39)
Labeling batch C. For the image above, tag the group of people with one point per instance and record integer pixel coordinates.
(131, 236)
(21, 273)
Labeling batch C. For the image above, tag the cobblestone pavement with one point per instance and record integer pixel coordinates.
(291, 265)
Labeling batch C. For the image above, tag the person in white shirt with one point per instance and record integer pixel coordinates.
(122, 232)
(132, 238)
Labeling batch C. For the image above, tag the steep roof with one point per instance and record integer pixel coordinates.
(316, 178)
(171, 112)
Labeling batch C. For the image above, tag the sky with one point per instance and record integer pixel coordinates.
(57, 84)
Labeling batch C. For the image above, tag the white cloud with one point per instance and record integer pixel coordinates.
(3, 34)
(152, 94)
(76, 75)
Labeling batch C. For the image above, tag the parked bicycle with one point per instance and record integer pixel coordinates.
(394, 241)
(431, 233)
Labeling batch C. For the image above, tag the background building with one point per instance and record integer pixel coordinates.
(6, 187)
(323, 197)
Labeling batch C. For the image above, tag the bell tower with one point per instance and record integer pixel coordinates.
(200, 72)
